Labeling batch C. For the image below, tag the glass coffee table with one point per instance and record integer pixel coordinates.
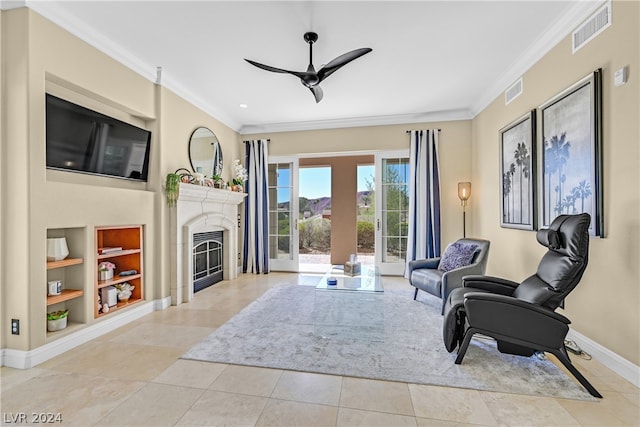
(368, 280)
(353, 309)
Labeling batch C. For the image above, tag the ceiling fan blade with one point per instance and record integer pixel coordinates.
(317, 92)
(341, 60)
(300, 75)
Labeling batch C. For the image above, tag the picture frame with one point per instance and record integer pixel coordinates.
(571, 153)
(518, 174)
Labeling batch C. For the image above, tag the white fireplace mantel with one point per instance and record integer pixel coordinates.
(201, 209)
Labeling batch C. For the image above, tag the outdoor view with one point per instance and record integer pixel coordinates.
(314, 212)
(314, 226)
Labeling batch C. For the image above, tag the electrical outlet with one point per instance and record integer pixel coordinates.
(15, 327)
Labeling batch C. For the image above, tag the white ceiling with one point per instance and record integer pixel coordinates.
(431, 60)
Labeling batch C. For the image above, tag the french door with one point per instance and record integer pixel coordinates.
(283, 213)
(392, 211)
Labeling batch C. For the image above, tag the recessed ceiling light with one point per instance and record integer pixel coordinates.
(243, 105)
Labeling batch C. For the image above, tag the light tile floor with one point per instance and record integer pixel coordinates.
(133, 376)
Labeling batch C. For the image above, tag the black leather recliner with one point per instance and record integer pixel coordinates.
(521, 316)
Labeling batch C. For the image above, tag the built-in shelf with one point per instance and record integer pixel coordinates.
(64, 263)
(118, 253)
(70, 329)
(117, 279)
(130, 257)
(66, 295)
(71, 273)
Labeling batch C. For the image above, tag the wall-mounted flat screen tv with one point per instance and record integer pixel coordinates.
(85, 141)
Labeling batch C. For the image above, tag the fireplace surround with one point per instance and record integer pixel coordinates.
(201, 209)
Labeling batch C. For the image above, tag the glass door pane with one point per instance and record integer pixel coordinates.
(392, 212)
(366, 213)
(283, 207)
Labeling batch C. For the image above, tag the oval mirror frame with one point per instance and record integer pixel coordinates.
(205, 152)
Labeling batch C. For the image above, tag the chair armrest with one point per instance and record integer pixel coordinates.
(534, 326)
(495, 285)
(453, 279)
(431, 263)
(514, 302)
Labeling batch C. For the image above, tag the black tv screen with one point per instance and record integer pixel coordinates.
(82, 140)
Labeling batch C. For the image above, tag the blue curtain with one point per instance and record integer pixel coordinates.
(423, 240)
(256, 209)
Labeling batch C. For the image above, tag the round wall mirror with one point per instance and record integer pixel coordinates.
(205, 152)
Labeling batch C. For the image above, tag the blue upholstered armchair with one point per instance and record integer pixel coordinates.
(439, 276)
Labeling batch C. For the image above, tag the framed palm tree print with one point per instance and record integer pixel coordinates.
(518, 174)
(572, 153)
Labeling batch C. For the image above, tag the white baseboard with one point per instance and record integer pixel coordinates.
(28, 359)
(613, 361)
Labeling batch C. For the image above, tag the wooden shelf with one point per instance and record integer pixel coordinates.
(71, 328)
(64, 263)
(117, 279)
(118, 253)
(120, 306)
(130, 238)
(66, 295)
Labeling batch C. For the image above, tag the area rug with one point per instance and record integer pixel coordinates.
(379, 336)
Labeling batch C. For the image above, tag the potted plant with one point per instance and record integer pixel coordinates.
(57, 320)
(217, 181)
(124, 291)
(171, 188)
(240, 178)
(105, 270)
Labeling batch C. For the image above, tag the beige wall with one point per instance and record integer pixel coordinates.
(43, 58)
(454, 152)
(604, 307)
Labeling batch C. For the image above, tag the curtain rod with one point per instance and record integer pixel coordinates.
(409, 131)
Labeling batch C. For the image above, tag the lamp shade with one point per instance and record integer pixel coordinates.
(57, 249)
(464, 192)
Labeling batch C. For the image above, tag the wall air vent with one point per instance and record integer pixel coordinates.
(513, 91)
(593, 26)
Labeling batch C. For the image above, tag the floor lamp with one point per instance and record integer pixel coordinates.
(464, 192)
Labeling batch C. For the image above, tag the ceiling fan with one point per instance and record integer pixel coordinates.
(311, 78)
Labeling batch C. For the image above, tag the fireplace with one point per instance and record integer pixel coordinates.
(208, 249)
(208, 212)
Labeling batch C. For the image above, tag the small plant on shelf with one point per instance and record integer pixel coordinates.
(57, 320)
(124, 291)
(55, 315)
(105, 270)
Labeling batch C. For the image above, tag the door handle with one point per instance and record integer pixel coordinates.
(378, 225)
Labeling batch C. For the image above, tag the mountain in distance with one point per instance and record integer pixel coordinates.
(318, 205)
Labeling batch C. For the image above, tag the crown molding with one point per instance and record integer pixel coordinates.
(122, 55)
(564, 25)
(11, 4)
(434, 116)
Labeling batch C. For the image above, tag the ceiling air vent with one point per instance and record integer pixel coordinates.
(591, 27)
(513, 91)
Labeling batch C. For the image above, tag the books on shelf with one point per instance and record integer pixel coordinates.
(109, 250)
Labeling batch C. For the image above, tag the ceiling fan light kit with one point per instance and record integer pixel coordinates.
(311, 78)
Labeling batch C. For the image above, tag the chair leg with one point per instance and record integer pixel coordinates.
(465, 344)
(563, 357)
(415, 294)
